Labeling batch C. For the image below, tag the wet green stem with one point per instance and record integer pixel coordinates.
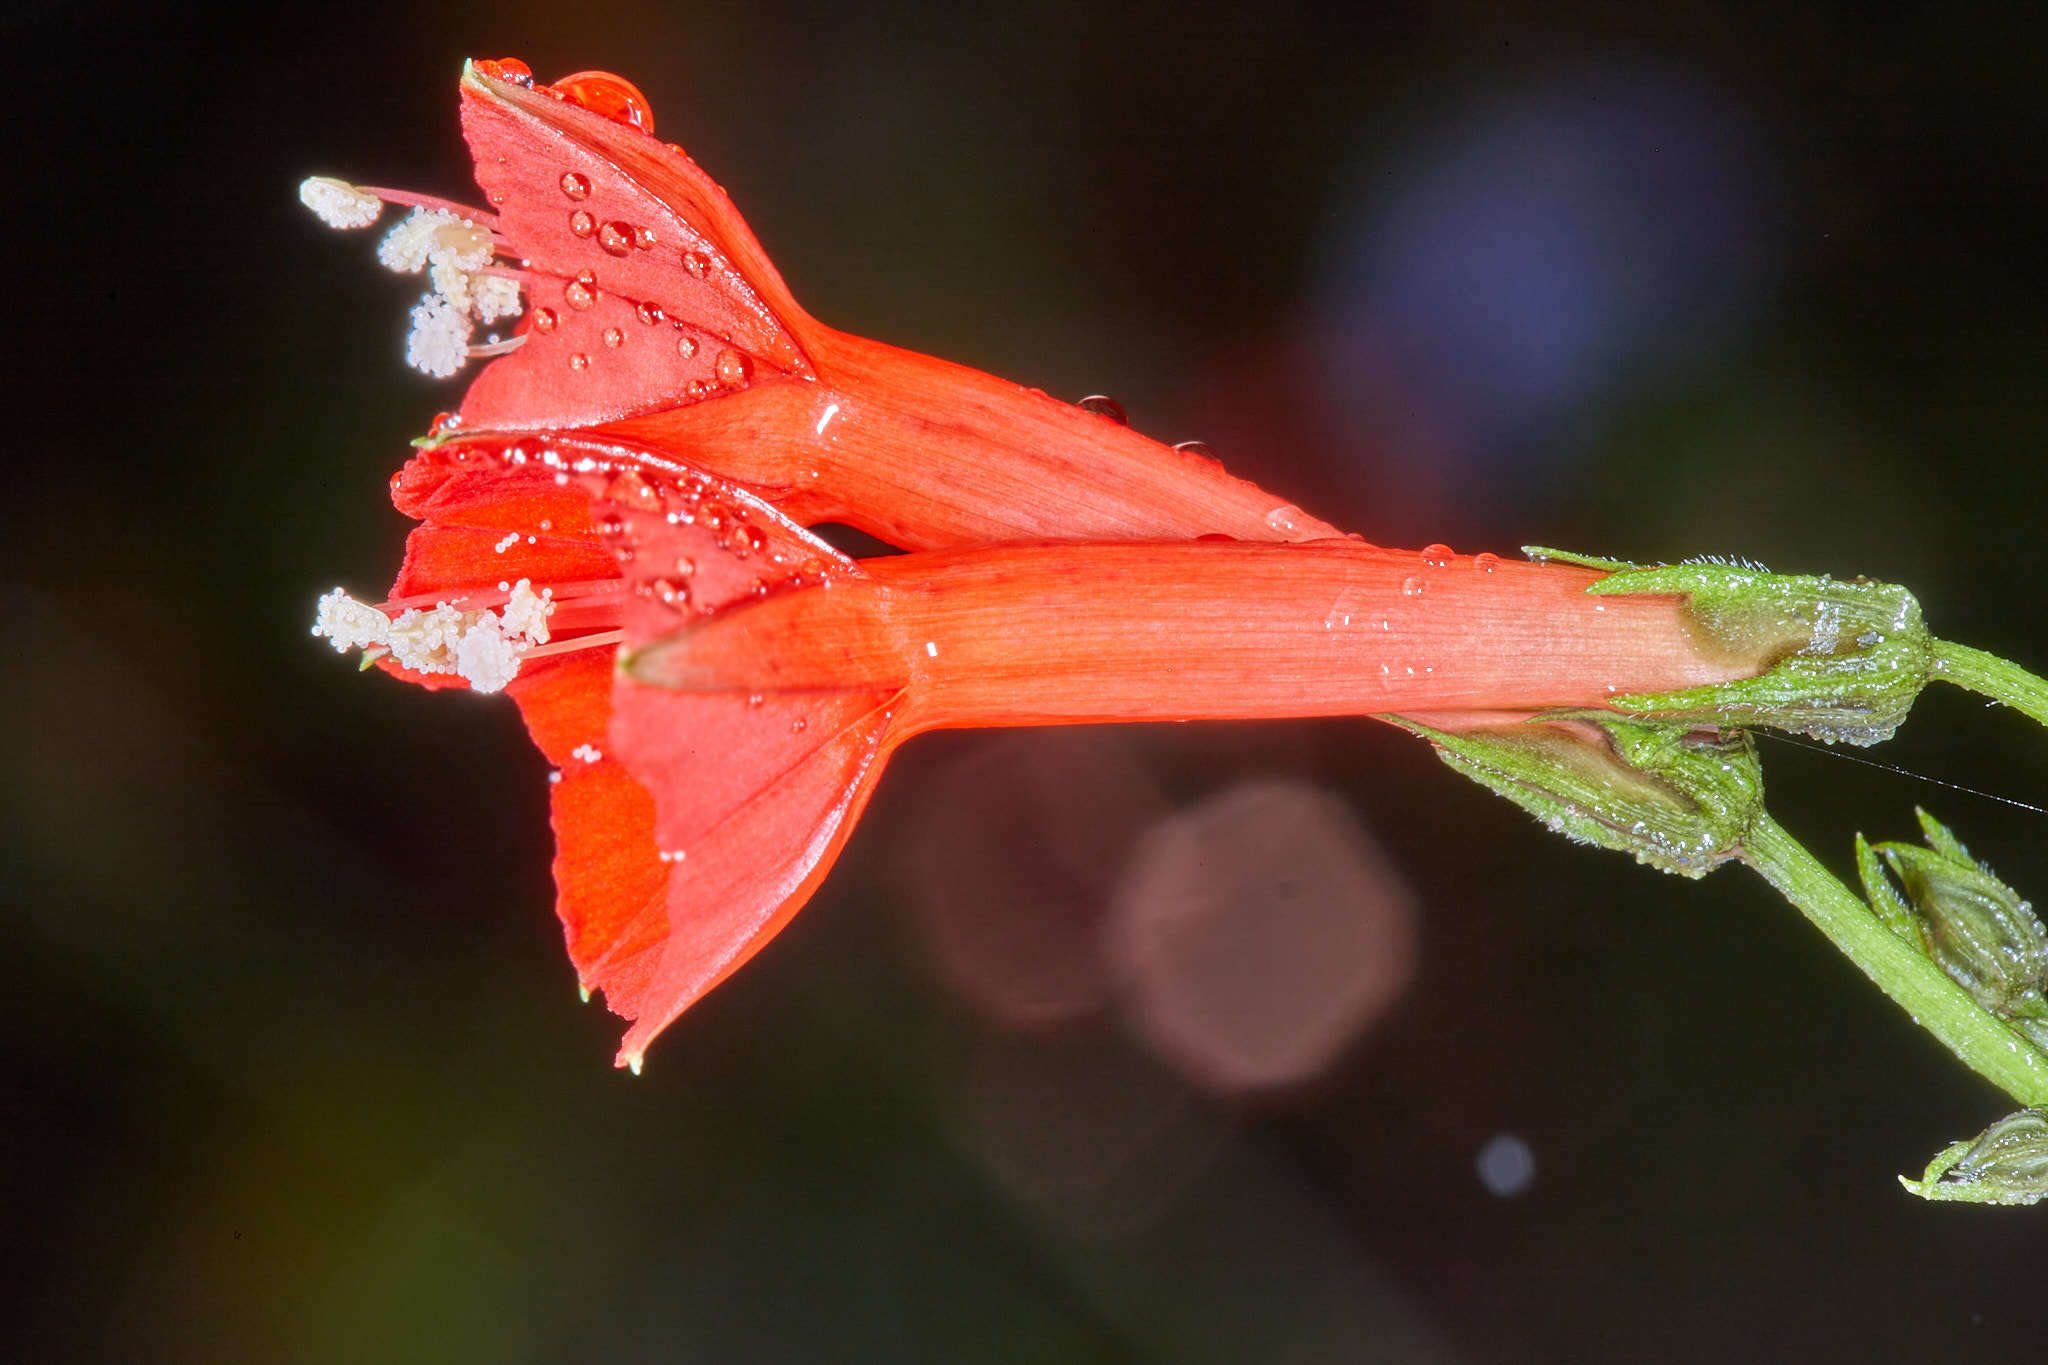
(1990, 676)
(1903, 972)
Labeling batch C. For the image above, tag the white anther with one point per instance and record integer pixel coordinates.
(338, 203)
(439, 343)
(494, 297)
(405, 248)
(483, 647)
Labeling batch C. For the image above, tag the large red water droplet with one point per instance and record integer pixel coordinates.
(508, 69)
(613, 96)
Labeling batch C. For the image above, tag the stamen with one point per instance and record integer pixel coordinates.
(481, 646)
(412, 199)
(497, 348)
(494, 297)
(338, 203)
(439, 343)
(406, 247)
(607, 637)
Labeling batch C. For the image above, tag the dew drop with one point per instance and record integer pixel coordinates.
(697, 263)
(757, 539)
(614, 338)
(616, 238)
(615, 97)
(1200, 449)
(799, 725)
(685, 566)
(1486, 561)
(686, 347)
(575, 184)
(1411, 587)
(578, 361)
(1102, 405)
(611, 524)
(755, 699)
(510, 70)
(732, 369)
(543, 320)
(650, 313)
(644, 238)
(1284, 519)
(632, 487)
(670, 592)
(582, 222)
(1436, 556)
(581, 292)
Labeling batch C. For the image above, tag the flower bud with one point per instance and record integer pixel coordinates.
(1679, 800)
(1975, 927)
(2007, 1163)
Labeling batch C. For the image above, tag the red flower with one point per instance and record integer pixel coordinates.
(638, 457)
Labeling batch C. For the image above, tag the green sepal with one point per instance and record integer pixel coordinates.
(1978, 930)
(2007, 1163)
(1680, 801)
(1544, 554)
(1843, 660)
(1884, 898)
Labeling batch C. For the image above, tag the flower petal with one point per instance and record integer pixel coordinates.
(645, 269)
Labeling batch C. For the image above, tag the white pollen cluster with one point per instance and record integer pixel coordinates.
(452, 250)
(483, 646)
(338, 203)
(439, 342)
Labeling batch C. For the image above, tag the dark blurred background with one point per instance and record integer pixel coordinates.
(1223, 1043)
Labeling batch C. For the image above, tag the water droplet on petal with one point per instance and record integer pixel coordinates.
(614, 338)
(1284, 519)
(1102, 405)
(575, 184)
(1201, 449)
(1486, 561)
(1436, 556)
(650, 313)
(799, 725)
(697, 263)
(613, 96)
(644, 238)
(616, 238)
(733, 369)
(543, 320)
(581, 292)
(508, 69)
(1411, 587)
(578, 361)
(582, 222)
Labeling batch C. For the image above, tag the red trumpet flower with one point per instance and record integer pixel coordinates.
(636, 465)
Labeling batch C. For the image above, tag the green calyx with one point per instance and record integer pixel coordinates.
(1977, 929)
(2007, 1163)
(1845, 658)
(1679, 800)
(1841, 660)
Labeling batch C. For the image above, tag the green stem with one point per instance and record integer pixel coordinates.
(1907, 975)
(1990, 676)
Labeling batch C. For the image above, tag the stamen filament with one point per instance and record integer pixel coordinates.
(609, 637)
(410, 199)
